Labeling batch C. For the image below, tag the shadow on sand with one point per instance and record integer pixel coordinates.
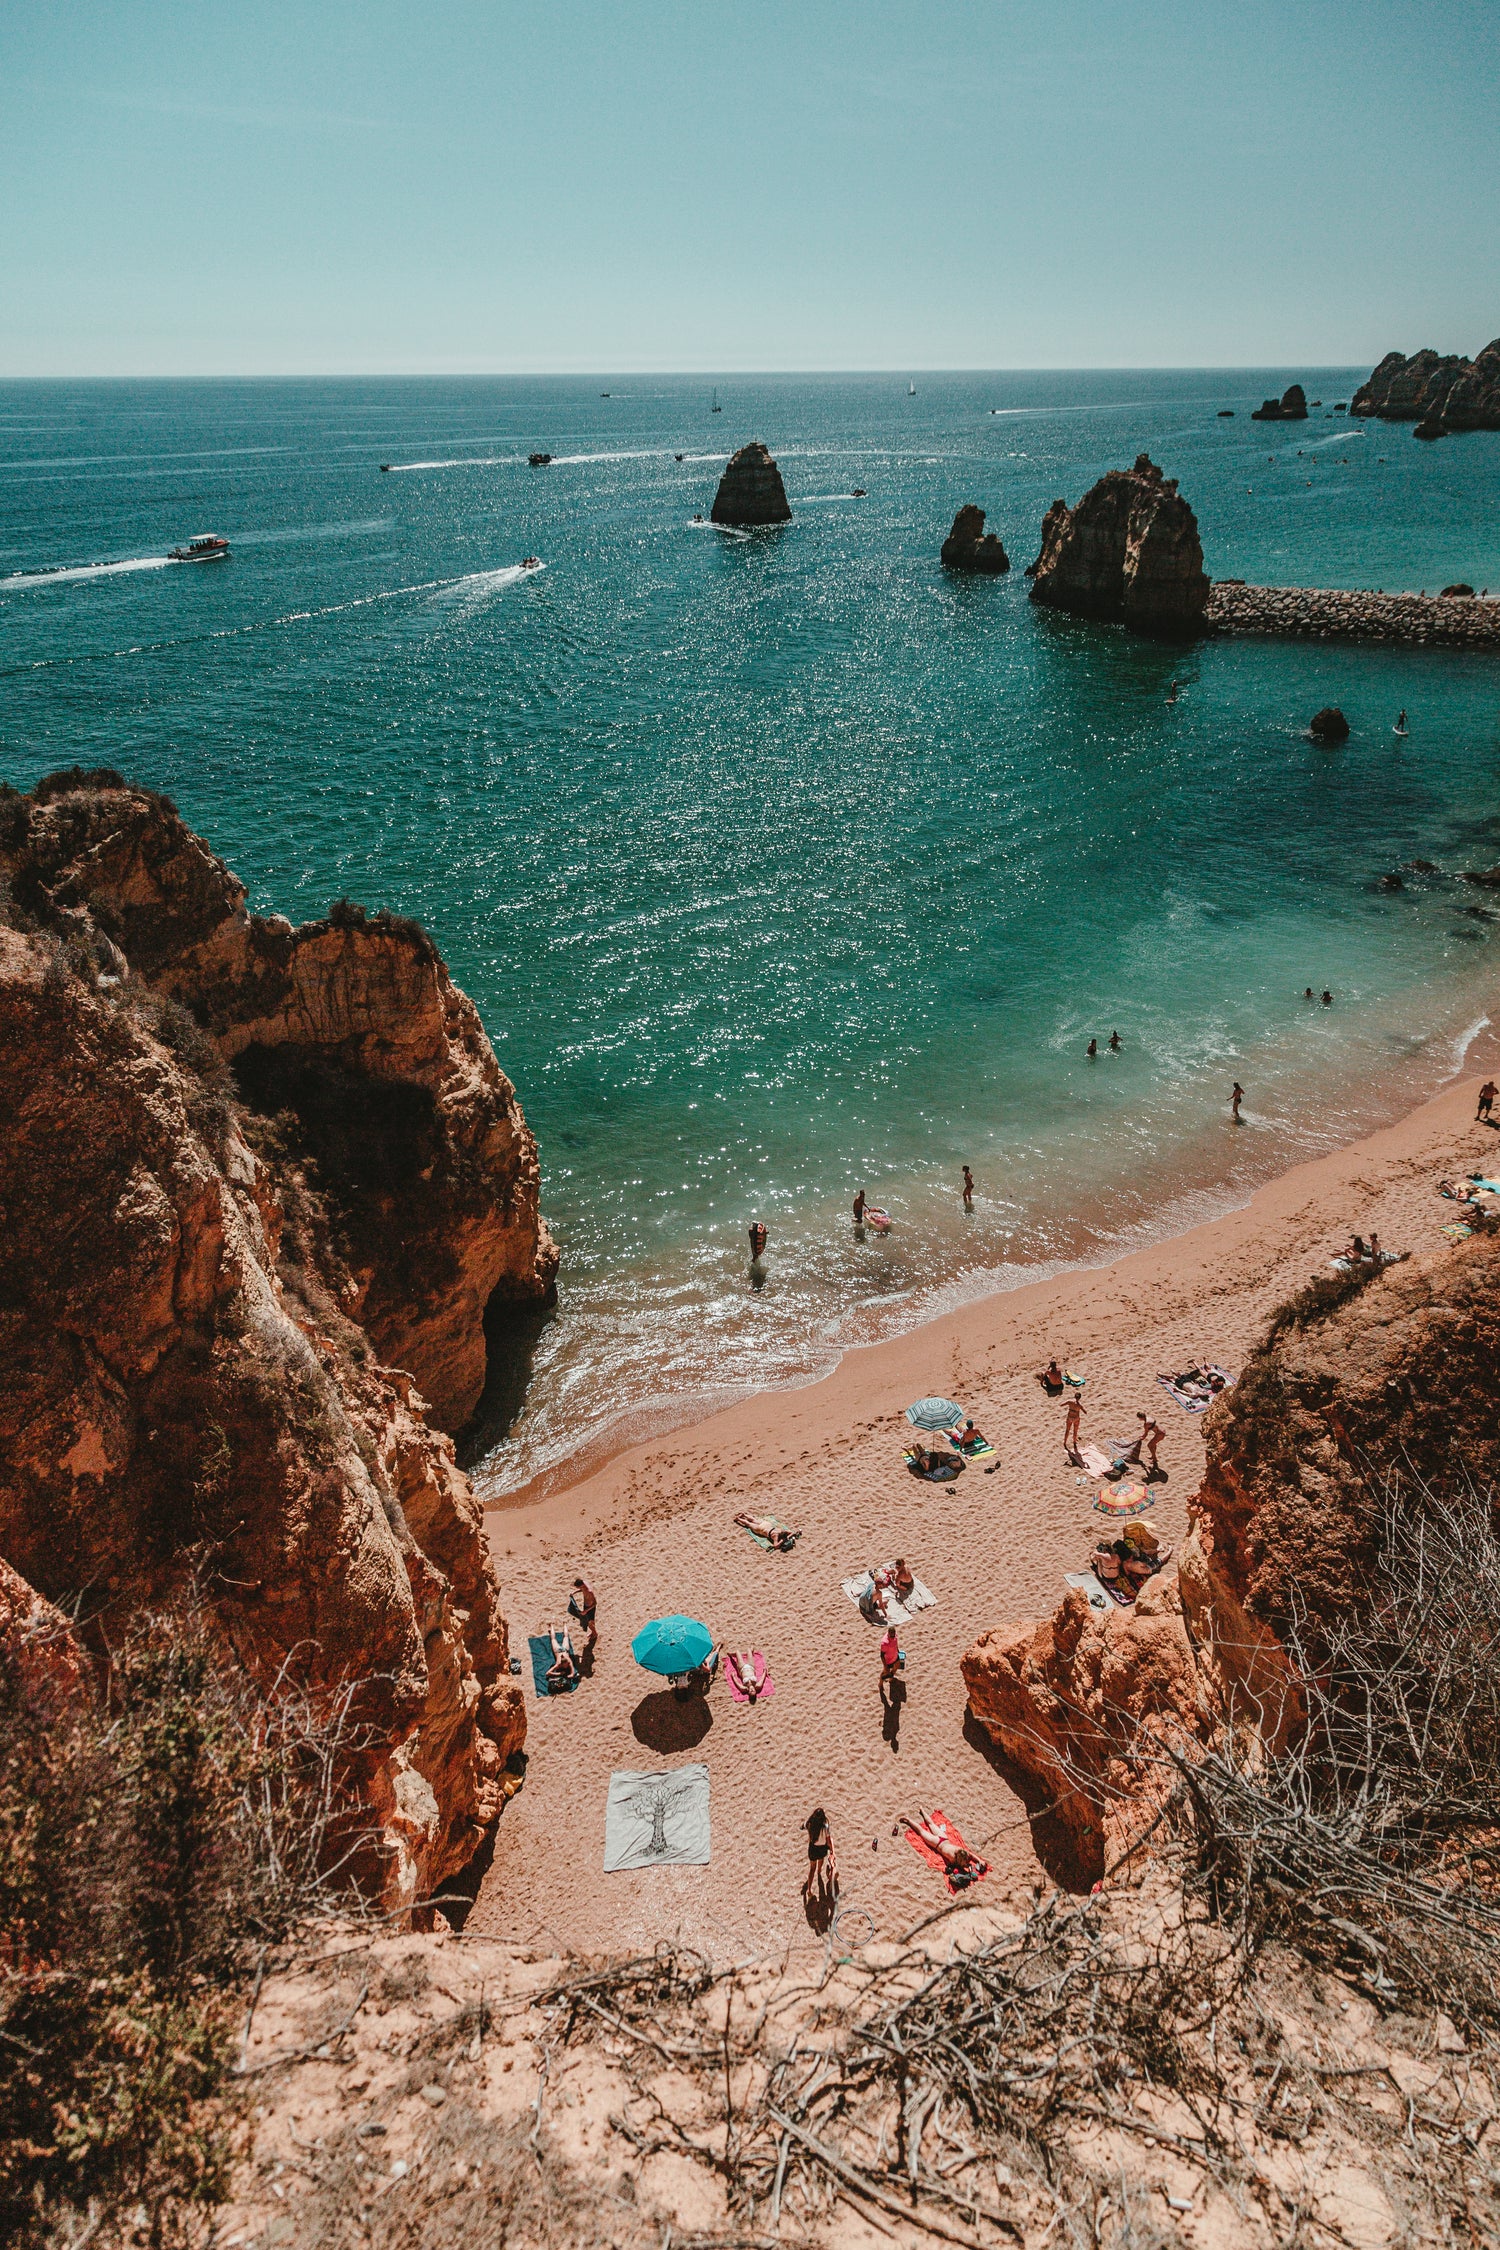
(1069, 1868)
(667, 1723)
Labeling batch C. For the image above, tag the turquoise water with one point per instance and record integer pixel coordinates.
(779, 865)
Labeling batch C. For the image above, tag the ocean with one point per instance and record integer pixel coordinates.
(788, 864)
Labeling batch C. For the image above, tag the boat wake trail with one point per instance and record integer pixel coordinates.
(558, 461)
(21, 578)
(469, 581)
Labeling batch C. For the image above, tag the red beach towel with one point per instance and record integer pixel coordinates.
(945, 1826)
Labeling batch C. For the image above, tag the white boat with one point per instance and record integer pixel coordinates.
(911, 390)
(207, 547)
(716, 407)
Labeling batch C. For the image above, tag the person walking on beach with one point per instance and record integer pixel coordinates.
(1072, 1422)
(968, 1189)
(583, 1606)
(1235, 1098)
(1487, 1093)
(890, 1654)
(821, 1885)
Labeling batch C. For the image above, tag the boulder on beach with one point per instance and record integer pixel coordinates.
(1458, 592)
(750, 491)
(1290, 407)
(969, 546)
(1446, 391)
(1129, 551)
(1328, 725)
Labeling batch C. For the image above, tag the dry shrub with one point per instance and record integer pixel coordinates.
(155, 1839)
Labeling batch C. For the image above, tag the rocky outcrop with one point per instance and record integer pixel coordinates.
(351, 1036)
(1440, 394)
(1328, 725)
(1090, 1705)
(1395, 1377)
(190, 1393)
(1129, 551)
(1290, 407)
(751, 493)
(969, 546)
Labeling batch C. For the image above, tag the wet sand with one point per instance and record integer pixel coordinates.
(652, 1531)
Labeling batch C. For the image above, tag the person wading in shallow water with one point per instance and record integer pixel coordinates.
(859, 1208)
(968, 1189)
(758, 1240)
(1093, 1049)
(1235, 1099)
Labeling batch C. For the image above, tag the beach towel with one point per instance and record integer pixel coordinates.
(1089, 1586)
(1490, 1187)
(1073, 1379)
(893, 1612)
(542, 1653)
(1193, 1401)
(1458, 1234)
(983, 1451)
(765, 1543)
(767, 1684)
(657, 1819)
(924, 1850)
(945, 1472)
(1096, 1460)
(1124, 1500)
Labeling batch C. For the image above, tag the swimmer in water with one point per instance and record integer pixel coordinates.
(1114, 1042)
(1093, 1049)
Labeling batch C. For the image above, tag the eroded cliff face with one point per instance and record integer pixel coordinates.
(352, 1037)
(1397, 1379)
(1456, 393)
(1129, 552)
(190, 1390)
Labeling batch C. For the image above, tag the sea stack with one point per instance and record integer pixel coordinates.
(1290, 407)
(1129, 551)
(969, 546)
(1328, 725)
(750, 491)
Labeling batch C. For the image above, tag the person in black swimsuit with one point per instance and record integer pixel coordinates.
(822, 1880)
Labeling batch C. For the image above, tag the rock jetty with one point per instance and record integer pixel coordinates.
(1129, 551)
(1438, 394)
(1321, 613)
(751, 492)
(969, 546)
(1290, 407)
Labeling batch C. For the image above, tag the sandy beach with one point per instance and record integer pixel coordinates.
(652, 1531)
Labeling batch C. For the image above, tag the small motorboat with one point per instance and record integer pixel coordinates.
(677, 457)
(207, 547)
(531, 562)
(716, 408)
(859, 493)
(538, 460)
(385, 468)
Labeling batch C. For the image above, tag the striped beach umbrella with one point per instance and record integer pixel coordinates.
(934, 1414)
(1123, 1500)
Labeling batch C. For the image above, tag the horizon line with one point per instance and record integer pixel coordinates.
(704, 374)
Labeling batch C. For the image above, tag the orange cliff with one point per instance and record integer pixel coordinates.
(258, 1186)
(1099, 1710)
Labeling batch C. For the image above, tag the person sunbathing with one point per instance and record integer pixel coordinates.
(766, 1527)
(960, 1865)
(1052, 1378)
(1107, 1567)
(740, 1665)
(969, 1438)
(894, 1578)
(564, 1665)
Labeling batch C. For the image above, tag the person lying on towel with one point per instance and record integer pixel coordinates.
(741, 1664)
(960, 1865)
(564, 1665)
(969, 1438)
(774, 1534)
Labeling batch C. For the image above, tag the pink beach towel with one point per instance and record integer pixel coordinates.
(945, 1826)
(764, 1682)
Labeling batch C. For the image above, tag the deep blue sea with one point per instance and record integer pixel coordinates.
(783, 864)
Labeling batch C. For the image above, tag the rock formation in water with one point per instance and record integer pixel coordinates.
(751, 492)
(1439, 394)
(1129, 551)
(1290, 407)
(244, 1169)
(969, 546)
(1328, 725)
(1398, 1377)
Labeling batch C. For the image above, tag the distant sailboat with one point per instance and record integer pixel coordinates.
(717, 408)
(911, 390)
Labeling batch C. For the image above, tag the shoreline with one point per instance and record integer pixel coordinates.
(652, 1531)
(1173, 1209)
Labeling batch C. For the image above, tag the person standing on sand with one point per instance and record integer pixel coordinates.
(1236, 1097)
(821, 1885)
(890, 1654)
(1487, 1093)
(1071, 1424)
(583, 1606)
(968, 1189)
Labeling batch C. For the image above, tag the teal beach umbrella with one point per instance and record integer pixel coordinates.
(934, 1414)
(672, 1645)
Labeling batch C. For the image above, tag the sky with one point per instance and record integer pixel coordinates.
(382, 186)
